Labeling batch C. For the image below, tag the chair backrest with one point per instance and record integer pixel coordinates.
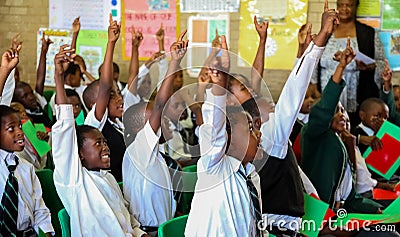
(173, 228)
(189, 179)
(64, 221)
(50, 197)
(47, 94)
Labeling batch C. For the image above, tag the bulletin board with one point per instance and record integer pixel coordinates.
(147, 17)
(201, 32)
(59, 37)
(285, 19)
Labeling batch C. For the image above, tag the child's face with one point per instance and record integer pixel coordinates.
(95, 153)
(375, 116)
(21, 110)
(26, 97)
(76, 105)
(309, 100)
(116, 103)
(145, 87)
(339, 119)
(176, 109)
(178, 80)
(11, 134)
(242, 128)
(396, 93)
(239, 90)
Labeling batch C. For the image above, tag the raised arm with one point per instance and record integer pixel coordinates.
(106, 77)
(212, 134)
(178, 51)
(41, 70)
(9, 61)
(160, 35)
(276, 132)
(76, 26)
(387, 96)
(322, 113)
(257, 70)
(137, 38)
(64, 56)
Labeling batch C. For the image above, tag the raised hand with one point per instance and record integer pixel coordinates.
(347, 55)
(15, 41)
(10, 58)
(64, 56)
(113, 30)
(137, 37)
(262, 28)
(220, 67)
(178, 48)
(216, 43)
(329, 21)
(45, 43)
(160, 34)
(304, 38)
(76, 25)
(387, 76)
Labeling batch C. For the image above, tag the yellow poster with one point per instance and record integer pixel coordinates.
(285, 19)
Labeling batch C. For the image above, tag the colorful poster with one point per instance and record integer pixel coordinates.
(201, 32)
(369, 8)
(209, 6)
(59, 37)
(91, 45)
(147, 17)
(386, 161)
(391, 45)
(94, 15)
(391, 15)
(285, 20)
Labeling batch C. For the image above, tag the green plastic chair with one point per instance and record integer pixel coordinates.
(189, 179)
(121, 186)
(173, 228)
(47, 94)
(50, 197)
(65, 223)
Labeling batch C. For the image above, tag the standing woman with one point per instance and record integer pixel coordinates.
(363, 81)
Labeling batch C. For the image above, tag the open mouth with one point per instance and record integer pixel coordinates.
(20, 142)
(106, 156)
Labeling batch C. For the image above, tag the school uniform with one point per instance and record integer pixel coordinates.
(178, 146)
(362, 130)
(221, 205)
(388, 98)
(92, 199)
(147, 181)
(38, 115)
(32, 212)
(325, 158)
(8, 90)
(279, 166)
(365, 183)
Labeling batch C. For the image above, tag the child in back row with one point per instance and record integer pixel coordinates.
(90, 194)
(22, 211)
(225, 172)
(148, 185)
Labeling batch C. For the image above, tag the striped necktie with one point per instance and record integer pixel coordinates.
(254, 200)
(176, 176)
(9, 203)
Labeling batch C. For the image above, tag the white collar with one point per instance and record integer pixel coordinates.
(303, 117)
(7, 156)
(366, 129)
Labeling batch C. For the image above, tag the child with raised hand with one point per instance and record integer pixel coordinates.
(225, 172)
(105, 102)
(90, 194)
(22, 211)
(325, 156)
(148, 184)
(387, 94)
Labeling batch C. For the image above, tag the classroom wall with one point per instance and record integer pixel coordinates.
(27, 16)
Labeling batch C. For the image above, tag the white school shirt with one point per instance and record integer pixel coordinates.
(92, 199)
(221, 205)
(91, 119)
(176, 145)
(32, 212)
(276, 131)
(8, 90)
(78, 90)
(147, 181)
(365, 182)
